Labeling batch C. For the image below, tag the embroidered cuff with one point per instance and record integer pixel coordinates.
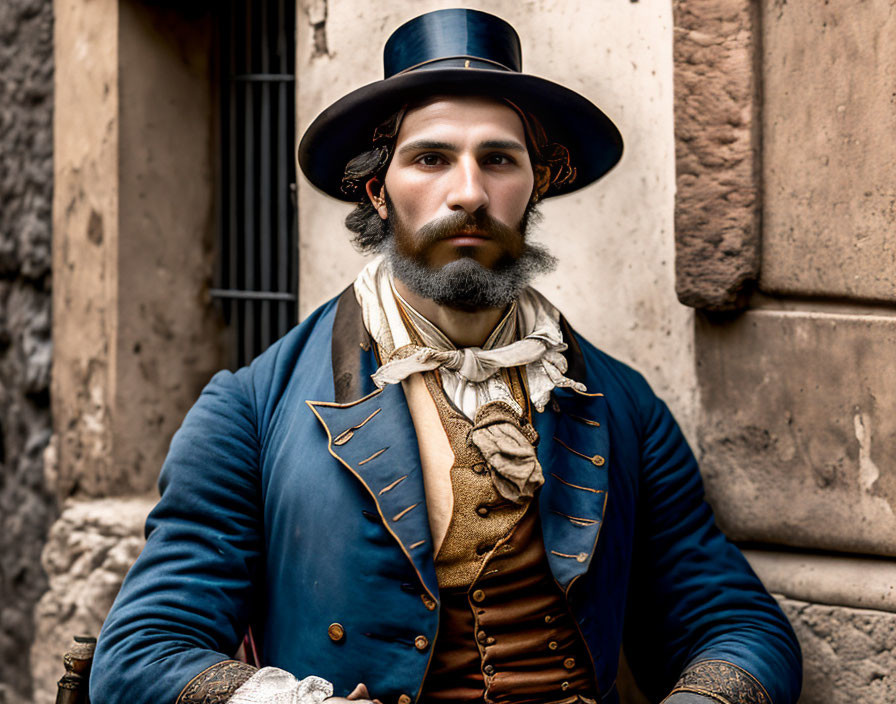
(216, 684)
(722, 682)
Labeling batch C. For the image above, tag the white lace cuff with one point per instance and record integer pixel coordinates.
(271, 685)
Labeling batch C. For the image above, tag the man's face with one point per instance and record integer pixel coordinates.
(459, 183)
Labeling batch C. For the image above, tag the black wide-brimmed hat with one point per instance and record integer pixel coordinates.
(457, 51)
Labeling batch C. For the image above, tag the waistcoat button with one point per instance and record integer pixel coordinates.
(480, 636)
(478, 596)
(421, 643)
(569, 663)
(564, 686)
(336, 632)
(404, 699)
(489, 669)
(482, 510)
(553, 645)
(548, 619)
(428, 602)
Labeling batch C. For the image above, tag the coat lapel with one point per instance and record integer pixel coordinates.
(574, 452)
(371, 433)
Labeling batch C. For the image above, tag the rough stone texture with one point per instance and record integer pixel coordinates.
(849, 655)
(717, 234)
(829, 116)
(91, 548)
(859, 582)
(26, 185)
(615, 278)
(798, 439)
(136, 333)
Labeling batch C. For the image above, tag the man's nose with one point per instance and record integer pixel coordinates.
(467, 190)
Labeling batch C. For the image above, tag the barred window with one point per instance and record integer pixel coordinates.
(257, 277)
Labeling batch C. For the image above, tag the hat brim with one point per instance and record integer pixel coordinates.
(345, 129)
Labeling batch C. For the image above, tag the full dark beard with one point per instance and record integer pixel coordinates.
(466, 284)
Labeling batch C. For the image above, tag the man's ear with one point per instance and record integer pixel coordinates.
(542, 181)
(376, 192)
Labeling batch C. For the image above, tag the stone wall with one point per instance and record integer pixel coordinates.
(785, 209)
(26, 187)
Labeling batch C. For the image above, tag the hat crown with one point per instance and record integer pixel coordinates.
(452, 36)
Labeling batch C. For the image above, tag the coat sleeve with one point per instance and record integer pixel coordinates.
(184, 606)
(698, 619)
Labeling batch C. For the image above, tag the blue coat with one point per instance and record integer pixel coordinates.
(276, 511)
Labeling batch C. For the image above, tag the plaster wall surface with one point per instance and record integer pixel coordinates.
(85, 214)
(829, 117)
(26, 190)
(136, 333)
(168, 343)
(615, 279)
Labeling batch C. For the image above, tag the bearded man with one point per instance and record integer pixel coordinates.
(433, 489)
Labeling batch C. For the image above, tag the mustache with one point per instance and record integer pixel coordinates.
(463, 223)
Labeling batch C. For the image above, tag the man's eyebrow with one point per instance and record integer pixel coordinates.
(507, 144)
(421, 144)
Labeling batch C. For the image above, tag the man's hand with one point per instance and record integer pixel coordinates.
(359, 694)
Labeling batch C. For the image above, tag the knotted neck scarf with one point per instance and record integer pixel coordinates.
(527, 336)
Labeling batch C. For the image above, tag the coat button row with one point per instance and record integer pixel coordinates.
(404, 699)
(421, 643)
(428, 602)
(336, 632)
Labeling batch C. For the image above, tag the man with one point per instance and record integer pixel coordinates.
(433, 489)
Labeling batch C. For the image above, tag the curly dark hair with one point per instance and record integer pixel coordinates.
(550, 162)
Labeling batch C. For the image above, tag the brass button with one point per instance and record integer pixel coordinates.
(581, 557)
(479, 467)
(569, 663)
(482, 511)
(489, 641)
(489, 669)
(336, 632)
(478, 596)
(548, 619)
(598, 461)
(564, 686)
(404, 699)
(428, 602)
(480, 636)
(421, 643)
(553, 645)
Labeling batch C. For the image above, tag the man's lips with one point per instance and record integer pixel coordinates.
(467, 239)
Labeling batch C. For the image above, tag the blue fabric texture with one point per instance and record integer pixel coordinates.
(283, 509)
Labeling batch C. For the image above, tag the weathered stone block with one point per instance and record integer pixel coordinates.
(798, 439)
(859, 582)
(828, 149)
(849, 655)
(717, 238)
(91, 548)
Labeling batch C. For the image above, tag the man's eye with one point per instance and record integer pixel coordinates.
(429, 159)
(499, 159)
